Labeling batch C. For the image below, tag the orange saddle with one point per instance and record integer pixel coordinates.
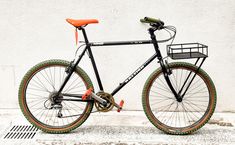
(81, 22)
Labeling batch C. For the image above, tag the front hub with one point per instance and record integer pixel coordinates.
(179, 98)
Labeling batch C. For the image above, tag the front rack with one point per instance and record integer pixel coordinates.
(187, 51)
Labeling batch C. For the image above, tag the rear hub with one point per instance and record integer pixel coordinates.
(55, 99)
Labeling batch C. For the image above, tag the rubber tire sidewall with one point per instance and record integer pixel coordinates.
(161, 126)
(22, 100)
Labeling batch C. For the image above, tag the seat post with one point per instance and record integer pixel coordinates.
(84, 34)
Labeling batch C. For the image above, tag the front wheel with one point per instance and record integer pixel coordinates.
(38, 88)
(170, 115)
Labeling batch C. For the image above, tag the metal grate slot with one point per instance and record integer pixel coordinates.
(21, 132)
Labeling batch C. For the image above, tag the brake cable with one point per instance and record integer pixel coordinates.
(167, 28)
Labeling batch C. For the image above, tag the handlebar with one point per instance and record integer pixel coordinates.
(157, 24)
(153, 22)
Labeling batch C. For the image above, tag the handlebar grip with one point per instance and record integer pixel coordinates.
(151, 20)
(143, 21)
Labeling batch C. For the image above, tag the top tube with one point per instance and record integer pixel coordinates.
(134, 42)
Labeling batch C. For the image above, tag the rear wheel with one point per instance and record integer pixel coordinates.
(170, 115)
(38, 89)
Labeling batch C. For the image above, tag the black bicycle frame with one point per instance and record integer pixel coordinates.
(153, 41)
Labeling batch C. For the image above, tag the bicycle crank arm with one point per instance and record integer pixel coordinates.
(119, 107)
(94, 96)
(97, 98)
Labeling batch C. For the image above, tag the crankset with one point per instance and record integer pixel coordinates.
(109, 102)
(104, 102)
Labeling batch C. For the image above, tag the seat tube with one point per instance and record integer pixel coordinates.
(92, 60)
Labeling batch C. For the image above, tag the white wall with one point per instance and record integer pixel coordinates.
(32, 31)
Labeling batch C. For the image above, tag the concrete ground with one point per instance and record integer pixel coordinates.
(127, 127)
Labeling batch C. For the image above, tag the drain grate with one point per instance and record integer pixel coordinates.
(21, 132)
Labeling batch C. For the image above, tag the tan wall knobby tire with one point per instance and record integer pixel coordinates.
(27, 113)
(185, 130)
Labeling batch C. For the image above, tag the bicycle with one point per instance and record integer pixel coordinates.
(57, 96)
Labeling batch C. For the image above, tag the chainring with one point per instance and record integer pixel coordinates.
(110, 102)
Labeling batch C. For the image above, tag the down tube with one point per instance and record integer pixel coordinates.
(135, 73)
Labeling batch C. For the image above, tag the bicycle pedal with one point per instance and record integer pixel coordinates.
(87, 94)
(121, 105)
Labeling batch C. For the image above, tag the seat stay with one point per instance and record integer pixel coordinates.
(71, 68)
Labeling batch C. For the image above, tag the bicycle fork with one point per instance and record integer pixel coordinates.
(167, 72)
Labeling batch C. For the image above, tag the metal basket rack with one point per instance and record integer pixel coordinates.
(187, 51)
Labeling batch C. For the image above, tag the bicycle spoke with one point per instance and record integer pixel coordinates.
(187, 114)
(180, 78)
(194, 83)
(173, 83)
(76, 86)
(162, 89)
(160, 95)
(164, 83)
(49, 78)
(78, 92)
(171, 115)
(48, 81)
(195, 100)
(41, 83)
(35, 100)
(160, 101)
(167, 108)
(193, 89)
(39, 86)
(63, 78)
(195, 104)
(196, 97)
(192, 112)
(71, 82)
(175, 78)
(36, 95)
